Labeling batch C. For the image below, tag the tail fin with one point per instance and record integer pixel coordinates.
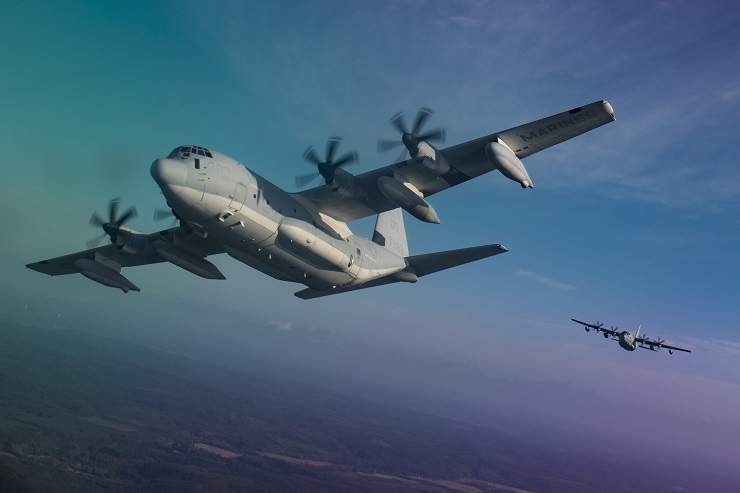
(391, 233)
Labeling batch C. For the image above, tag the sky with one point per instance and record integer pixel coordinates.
(636, 223)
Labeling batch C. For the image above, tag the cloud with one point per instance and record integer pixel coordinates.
(278, 325)
(547, 281)
(731, 94)
(716, 346)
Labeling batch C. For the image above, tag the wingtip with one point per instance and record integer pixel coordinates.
(609, 109)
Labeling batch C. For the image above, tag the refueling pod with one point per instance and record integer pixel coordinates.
(107, 275)
(186, 260)
(406, 199)
(504, 159)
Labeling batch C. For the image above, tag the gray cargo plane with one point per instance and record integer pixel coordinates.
(628, 341)
(302, 237)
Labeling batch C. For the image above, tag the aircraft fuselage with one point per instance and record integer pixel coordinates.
(265, 227)
(627, 341)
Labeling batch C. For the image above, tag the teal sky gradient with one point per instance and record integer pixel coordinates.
(634, 223)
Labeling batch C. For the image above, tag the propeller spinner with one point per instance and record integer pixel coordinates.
(112, 226)
(411, 137)
(329, 165)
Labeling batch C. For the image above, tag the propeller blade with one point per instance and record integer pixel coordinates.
(92, 243)
(398, 123)
(113, 210)
(112, 225)
(331, 147)
(311, 156)
(411, 138)
(349, 158)
(129, 214)
(436, 134)
(328, 166)
(303, 180)
(387, 145)
(421, 118)
(96, 220)
(402, 156)
(161, 214)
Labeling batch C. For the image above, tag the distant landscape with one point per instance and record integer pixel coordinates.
(86, 413)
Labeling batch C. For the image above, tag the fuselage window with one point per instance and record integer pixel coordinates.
(197, 163)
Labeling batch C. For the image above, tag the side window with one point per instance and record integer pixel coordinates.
(197, 163)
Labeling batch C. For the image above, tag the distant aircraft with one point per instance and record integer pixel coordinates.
(627, 340)
(303, 237)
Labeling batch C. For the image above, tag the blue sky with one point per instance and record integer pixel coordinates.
(634, 223)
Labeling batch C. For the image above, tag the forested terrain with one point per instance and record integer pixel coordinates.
(79, 412)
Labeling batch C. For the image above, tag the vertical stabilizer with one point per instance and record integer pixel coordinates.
(391, 233)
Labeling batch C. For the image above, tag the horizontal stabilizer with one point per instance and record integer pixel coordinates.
(309, 294)
(420, 265)
(434, 262)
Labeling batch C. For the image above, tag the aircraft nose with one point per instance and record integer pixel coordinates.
(169, 172)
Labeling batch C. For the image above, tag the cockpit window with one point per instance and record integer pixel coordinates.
(185, 151)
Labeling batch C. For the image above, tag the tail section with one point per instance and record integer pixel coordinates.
(391, 233)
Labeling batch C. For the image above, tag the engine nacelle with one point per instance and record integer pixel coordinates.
(343, 183)
(407, 200)
(504, 159)
(431, 160)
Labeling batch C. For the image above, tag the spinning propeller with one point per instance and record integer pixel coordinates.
(656, 343)
(162, 214)
(328, 166)
(112, 226)
(411, 137)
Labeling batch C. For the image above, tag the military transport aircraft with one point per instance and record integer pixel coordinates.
(303, 237)
(628, 341)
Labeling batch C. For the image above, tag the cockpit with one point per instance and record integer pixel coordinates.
(184, 152)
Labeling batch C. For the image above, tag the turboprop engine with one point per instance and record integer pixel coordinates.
(430, 159)
(504, 159)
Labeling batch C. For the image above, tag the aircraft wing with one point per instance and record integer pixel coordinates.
(652, 344)
(467, 161)
(597, 328)
(65, 264)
